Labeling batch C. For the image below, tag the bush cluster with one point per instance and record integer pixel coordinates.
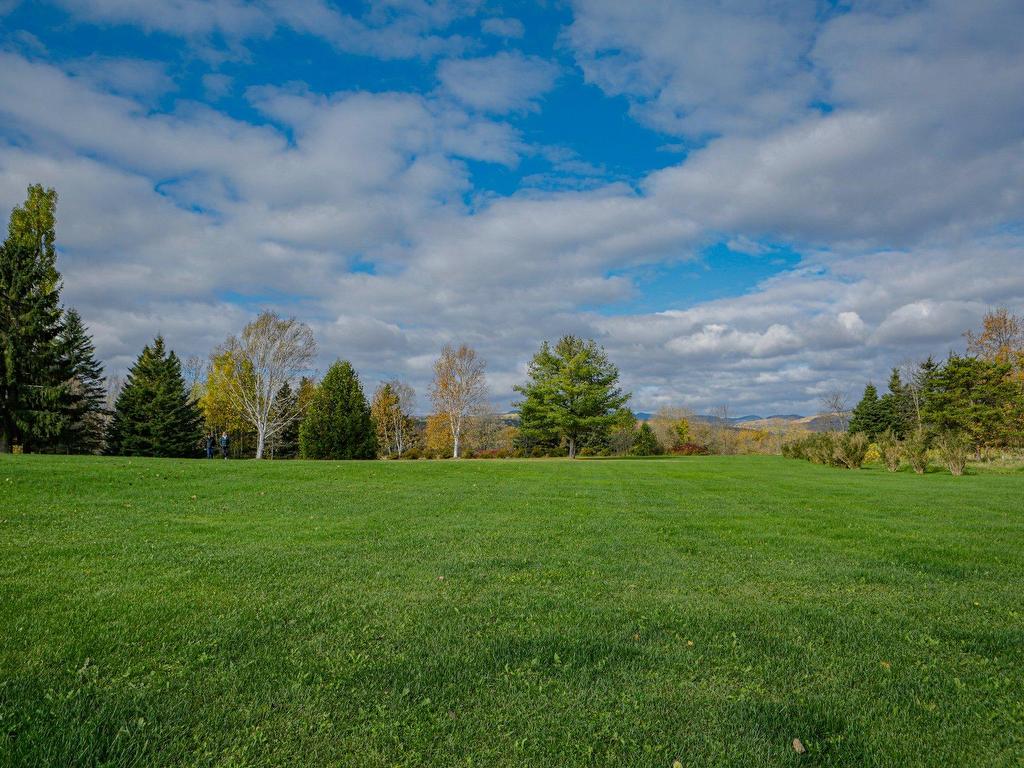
(831, 449)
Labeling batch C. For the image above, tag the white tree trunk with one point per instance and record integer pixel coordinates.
(456, 453)
(260, 441)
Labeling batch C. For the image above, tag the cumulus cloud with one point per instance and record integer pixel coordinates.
(503, 27)
(358, 210)
(702, 67)
(505, 82)
(386, 29)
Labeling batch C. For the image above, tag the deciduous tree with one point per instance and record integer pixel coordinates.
(1001, 339)
(391, 409)
(270, 352)
(459, 389)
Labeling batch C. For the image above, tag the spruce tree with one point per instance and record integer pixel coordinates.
(154, 414)
(84, 427)
(646, 443)
(34, 374)
(285, 444)
(337, 424)
(897, 407)
(869, 415)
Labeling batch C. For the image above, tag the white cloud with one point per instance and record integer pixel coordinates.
(503, 27)
(699, 67)
(387, 29)
(505, 82)
(217, 85)
(906, 198)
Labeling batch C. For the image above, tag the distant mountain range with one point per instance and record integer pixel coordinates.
(821, 422)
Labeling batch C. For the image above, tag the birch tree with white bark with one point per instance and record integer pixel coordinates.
(459, 389)
(391, 409)
(270, 352)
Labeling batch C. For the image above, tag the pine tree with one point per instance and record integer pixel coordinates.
(86, 395)
(154, 414)
(645, 444)
(337, 424)
(869, 416)
(976, 398)
(572, 395)
(34, 374)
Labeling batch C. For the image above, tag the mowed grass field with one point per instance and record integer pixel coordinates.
(508, 613)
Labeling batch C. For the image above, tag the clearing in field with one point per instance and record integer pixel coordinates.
(513, 613)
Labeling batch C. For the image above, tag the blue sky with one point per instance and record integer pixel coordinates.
(749, 204)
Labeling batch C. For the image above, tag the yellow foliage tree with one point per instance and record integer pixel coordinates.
(220, 412)
(437, 436)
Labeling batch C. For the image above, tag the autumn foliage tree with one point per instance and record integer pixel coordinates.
(459, 389)
(391, 409)
(1001, 339)
(270, 352)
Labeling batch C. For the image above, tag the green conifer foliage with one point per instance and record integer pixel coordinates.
(34, 375)
(154, 415)
(337, 424)
(84, 427)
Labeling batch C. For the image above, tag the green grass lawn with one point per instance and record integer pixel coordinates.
(508, 613)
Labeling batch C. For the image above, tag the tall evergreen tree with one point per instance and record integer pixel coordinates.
(34, 374)
(869, 415)
(84, 427)
(646, 443)
(285, 444)
(154, 414)
(337, 423)
(572, 395)
(897, 406)
(978, 398)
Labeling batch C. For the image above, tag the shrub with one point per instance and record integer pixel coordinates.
(850, 449)
(413, 453)
(873, 456)
(953, 449)
(821, 449)
(817, 448)
(915, 451)
(491, 453)
(691, 449)
(890, 450)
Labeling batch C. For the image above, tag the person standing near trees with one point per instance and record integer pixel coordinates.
(224, 442)
(209, 446)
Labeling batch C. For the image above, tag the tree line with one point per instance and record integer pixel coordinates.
(256, 387)
(967, 405)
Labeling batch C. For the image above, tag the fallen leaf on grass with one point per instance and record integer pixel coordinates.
(798, 746)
